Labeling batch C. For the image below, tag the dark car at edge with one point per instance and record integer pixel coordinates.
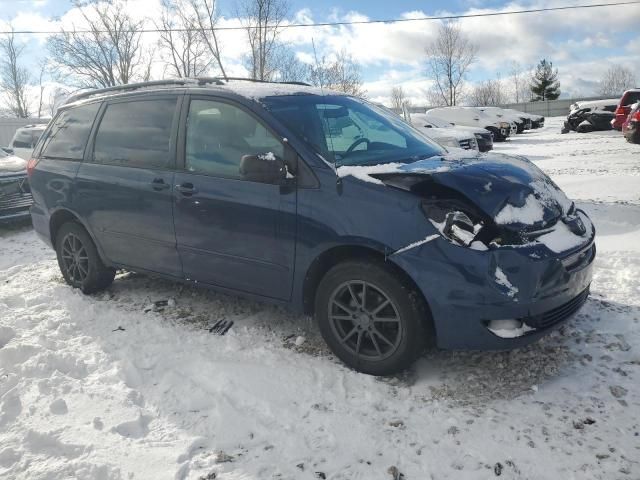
(314, 200)
(15, 194)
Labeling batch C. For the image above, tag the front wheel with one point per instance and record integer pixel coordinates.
(370, 318)
(79, 261)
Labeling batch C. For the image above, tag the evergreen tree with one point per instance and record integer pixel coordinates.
(545, 84)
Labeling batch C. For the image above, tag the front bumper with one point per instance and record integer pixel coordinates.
(485, 142)
(463, 295)
(15, 198)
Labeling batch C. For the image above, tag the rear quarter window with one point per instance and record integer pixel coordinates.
(67, 137)
(630, 98)
(22, 139)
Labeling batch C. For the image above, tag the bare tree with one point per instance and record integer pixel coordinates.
(398, 98)
(56, 97)
(519, 80)
(339, 73)
(262, 20)
(488, 92)
(109, 54)
(206, 17)
(449, 57)
(14, 78)
(182, 45)
(616, 80)
(287, 67)
(43, 68)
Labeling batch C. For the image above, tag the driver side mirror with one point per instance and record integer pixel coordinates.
(264, 168)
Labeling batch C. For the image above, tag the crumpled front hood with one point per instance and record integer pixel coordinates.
(511, 190)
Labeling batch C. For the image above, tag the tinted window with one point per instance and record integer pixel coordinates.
(220, 134)
(69, 132)
(349, 131)
(630, 98)
(22, 139)
(136, 134)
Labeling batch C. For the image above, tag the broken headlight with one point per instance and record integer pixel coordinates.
(455, 221)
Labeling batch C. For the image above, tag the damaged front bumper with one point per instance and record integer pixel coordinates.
(534, 291)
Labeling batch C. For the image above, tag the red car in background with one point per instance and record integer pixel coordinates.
(624, 107)
(631, 126)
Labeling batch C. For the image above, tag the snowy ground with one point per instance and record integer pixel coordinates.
(95, 388)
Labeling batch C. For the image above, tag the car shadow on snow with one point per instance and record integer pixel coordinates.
(457, 377)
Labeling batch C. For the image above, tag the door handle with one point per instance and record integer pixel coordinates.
(186, 189)
(159, 184)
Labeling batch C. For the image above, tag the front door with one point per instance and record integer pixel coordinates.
(232, 232)
(124, 187)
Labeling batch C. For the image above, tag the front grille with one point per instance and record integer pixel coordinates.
(467, 143)
(16, 201)
(15, 195)
(557, 314)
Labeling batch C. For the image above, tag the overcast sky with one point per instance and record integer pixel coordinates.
(581, 43)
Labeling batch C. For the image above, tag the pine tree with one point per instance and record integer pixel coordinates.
(545, 84)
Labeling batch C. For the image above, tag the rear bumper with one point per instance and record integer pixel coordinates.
(40, 221)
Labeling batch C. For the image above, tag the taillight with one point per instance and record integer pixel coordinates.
(623, 110)
(31, 165)
(636, 117)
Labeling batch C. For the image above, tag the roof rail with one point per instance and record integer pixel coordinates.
(128, 87)
(172, 81)
(219, 80)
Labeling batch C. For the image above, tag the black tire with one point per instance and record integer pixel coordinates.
(79, 261)
(405, 337)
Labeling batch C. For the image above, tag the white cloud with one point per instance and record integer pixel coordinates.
(393, 54)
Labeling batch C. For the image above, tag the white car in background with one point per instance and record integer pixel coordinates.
(537, 121)
(24, 140)
(472, 117)
(521, 123)
(447, 134)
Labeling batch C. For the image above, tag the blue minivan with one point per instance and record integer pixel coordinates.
(315, 200)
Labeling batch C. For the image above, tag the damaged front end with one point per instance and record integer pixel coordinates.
(493, 202)
(518, 255)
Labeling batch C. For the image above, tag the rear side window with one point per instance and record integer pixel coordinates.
(630, 98)
(22, 139)
(136, 134)
(69, 132)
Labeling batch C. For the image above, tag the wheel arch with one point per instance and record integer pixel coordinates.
(329, 258)
(64, 215)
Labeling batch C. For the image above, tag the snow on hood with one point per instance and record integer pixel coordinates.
(12, 164)
(520, 196)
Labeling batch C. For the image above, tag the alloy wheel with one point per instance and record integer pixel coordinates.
(365, 320)
(74, 258)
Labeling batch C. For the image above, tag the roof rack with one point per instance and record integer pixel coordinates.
(246, 79)
(169, 82)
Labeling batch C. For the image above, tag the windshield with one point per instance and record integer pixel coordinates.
(435, 121)
(348, 131)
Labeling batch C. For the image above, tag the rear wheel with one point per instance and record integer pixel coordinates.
(370, 318)
(79, 261)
